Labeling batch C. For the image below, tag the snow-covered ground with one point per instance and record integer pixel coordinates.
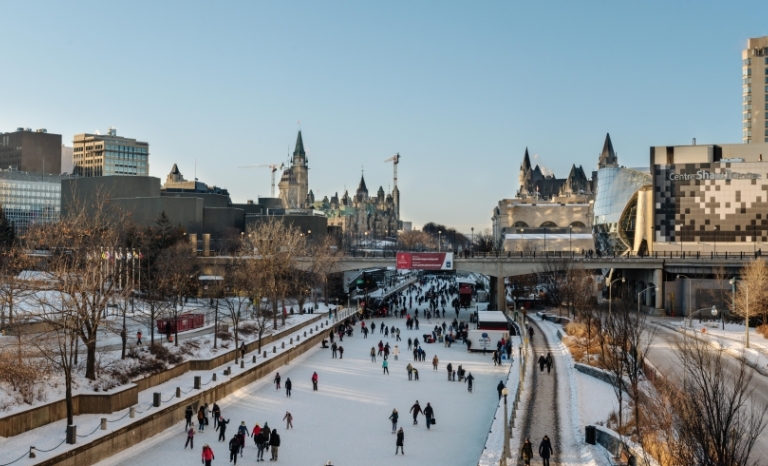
(346, 421)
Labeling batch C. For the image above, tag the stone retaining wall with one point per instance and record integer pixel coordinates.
(125, 397)
(173, 415)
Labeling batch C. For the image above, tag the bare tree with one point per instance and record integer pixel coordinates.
(752, 291)
(177, 279)
(416, 240)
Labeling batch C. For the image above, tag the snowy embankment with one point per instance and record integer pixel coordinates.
(49, 439)
(573, 403)
(731, 340)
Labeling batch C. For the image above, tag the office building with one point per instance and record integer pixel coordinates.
(754, 90)
(110, 154)
(30, 198)
(35, 151)
(67, 159)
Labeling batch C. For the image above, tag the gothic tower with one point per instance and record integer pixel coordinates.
(294, 184)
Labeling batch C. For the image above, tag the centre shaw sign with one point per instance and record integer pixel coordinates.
(425, 260)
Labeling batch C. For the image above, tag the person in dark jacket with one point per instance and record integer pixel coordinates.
(416, 410)
(470, 382)
(288, 386)
(222, 427)
(277, 381)
(393, 417)
(549, 361)
(341, 352)
(450, 370)
(542, 363)
(274, 443)
(234, 447)
(545, 450)
(400, 441)
(429, 413)
(526, 452)
(500, 387)
(216, 411)
(190, 438)
(261, 445)
(188, 413)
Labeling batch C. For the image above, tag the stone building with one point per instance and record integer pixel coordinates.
(534, 182)
(361, 215)
(294, 184)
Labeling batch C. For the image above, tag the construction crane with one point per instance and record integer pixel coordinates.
(395, 159)
(272, 166)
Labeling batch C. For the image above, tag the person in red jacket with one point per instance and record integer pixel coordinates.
(207, 455)
(314, 381)
(256, 432)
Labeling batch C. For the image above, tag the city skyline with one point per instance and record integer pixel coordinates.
(459, 91)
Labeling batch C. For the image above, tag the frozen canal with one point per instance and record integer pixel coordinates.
(346, 421)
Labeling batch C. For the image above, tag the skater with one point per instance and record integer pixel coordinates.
(138, 338)
(399, 442)
(415, 374)
(393, 417)
(416, 410)
(470, 382)
(396, 352)
(429, 413)
(190, 438)
(274, 444)
(288, 418)
(334, 349)
(207, 455)
(410, 343)
(341, 352)
(216, 412)
(373, 354)
(288, 386)
(373, 327)
(385, 366)
(188, 413)
(549, 361)
(234, 448)
(526, 452)
(261, 445)
(409, 368)
(255, 433)
(434, 363)
(222, 428)
(500, 387)
(314, 384)
(545, 450)
(450, 371)
(542, 363)
(277, 381)
(200, 419)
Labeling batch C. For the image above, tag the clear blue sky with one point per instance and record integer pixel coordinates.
(458, 88)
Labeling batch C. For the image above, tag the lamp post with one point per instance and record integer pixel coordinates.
(638, 299)
(365, 244)
(610, 291)
(712, 309)
(733, 281)
(439, 238)
(690, 285)
(505, 392)
(570, 239)
(472, 241)
(545, 240)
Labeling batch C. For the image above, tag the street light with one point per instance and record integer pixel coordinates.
(439, 236)
(712, 309)
(505, 392)
(733, 281)
(570, 239)
(638, 298)
(610, 291)
(472, 241)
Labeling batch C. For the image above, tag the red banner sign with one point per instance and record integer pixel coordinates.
(425, 260)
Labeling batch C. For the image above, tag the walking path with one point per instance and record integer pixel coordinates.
(541, 417)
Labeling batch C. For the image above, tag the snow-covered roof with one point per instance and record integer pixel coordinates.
(491, 316)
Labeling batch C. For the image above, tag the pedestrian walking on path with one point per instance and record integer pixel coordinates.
(500, 387)
(288, 418)
(314, 384)
(385, 365)
(138, 338)
(400, 441)
(288, 386)
(393, 417)
(545, 450)
(542, 363)
(416, 410)
(526, 452)
(549, 361)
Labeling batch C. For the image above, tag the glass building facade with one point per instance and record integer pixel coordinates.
(615, 207)
(30, 198)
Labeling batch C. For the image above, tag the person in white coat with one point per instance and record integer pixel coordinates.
(396, 352)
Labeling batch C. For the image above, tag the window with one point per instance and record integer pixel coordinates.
(746, 72)
(746, 89)
(747, 62)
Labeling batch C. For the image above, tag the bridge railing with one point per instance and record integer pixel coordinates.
(693, 255)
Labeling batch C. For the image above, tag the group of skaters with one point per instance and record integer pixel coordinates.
(264, 438)
(429, 415)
